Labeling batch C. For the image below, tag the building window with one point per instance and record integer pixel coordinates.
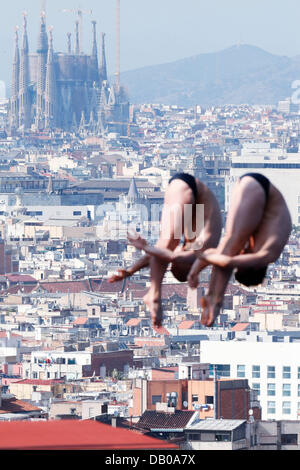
(286, 390)
(289, 439)
(35, 375)
(271, 372)
(194, 437)
(93, 311)
(222, 437)
(194, 398)
(240, 371)
(222, 370)
(256, 388)
(286, 407)
(271, 389)
(209, 399)
(286, 372)
(271, 407)
(156, 399)
(76, 212)
(256, 372)
(299, 373)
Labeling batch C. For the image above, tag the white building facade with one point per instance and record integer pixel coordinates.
(282, 169)
(56, 365)
(272, 369)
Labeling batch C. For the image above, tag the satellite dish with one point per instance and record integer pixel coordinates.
(250, 412)
(185, 404)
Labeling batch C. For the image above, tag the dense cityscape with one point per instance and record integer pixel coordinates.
(79, 164)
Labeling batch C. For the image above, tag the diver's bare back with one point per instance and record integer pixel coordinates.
(275, 227)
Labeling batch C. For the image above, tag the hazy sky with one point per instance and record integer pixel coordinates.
(158, 31)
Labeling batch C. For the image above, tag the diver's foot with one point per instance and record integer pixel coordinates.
(153, 302)
(210, 310)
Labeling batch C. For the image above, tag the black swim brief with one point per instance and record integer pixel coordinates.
(262, 180)
(189, 180)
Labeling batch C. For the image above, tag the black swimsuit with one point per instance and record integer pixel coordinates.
(262, 180)
(189, 180)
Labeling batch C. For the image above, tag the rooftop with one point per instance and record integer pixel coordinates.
(161, 420)
(216, 424)
(73, 435)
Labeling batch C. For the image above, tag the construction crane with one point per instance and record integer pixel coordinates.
(43, 7)
(118, 45)
(79, 12)
(127, 124)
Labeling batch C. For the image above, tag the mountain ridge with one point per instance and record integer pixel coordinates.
(235, 75)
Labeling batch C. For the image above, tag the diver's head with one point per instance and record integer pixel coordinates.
(251, 276)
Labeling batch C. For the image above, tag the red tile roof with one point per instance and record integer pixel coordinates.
(80, 321)
(186, 324)
(133, 322)
(66, 287)
(76, 435)
(12, 405)
(21, 278)
(108, 287)
(168, 290)
(139, 294)
(40, 382)
(240, 327)
(19, 289)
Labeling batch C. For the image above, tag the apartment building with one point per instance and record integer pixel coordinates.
(56, 364)
(272, 370)
(276, 164)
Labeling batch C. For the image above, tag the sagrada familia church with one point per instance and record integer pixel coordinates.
(54, 90)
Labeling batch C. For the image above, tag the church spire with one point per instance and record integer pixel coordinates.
(133, 194)
(42, 51)
(103, 69)
(94, 68)
(24, 106)
(25, 46)
(14, 101)
(77, 46)
(69, 43)
(50, 88)
(94, 49)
